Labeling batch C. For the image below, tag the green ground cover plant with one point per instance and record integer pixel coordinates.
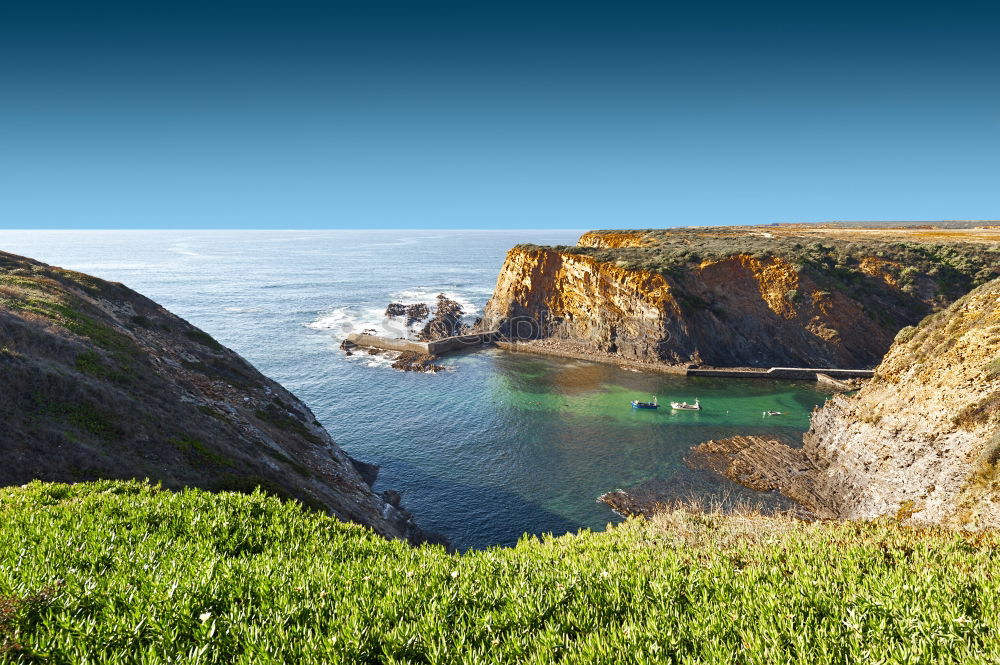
(121, 572)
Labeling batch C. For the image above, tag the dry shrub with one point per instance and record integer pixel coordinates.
(979, 413)
(724, 522)
(986, 464)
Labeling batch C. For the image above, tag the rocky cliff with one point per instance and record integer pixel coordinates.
(923, 437)
(101, 382)
(732, 296)
(921, 441)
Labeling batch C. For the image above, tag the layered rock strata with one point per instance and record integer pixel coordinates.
(919, 442)
(730, 297)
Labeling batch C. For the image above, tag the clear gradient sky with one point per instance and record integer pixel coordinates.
(499, 114)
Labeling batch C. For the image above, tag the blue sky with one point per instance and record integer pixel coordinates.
(495, 114)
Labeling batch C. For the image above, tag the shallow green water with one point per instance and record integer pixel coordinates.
(511, 443)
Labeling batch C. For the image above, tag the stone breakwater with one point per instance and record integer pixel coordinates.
(433, 348)
(834, 378)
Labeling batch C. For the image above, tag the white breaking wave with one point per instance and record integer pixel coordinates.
(343, 321)
(429, 296)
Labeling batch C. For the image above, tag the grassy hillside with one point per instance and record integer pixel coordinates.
(119, 572)
(98, 381)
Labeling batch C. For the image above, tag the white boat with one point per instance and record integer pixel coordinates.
(772, 413)
(684, 406)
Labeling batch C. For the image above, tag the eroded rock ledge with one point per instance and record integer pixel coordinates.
(764, 464)
(920, 441)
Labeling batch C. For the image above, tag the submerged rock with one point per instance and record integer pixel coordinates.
(411, 361)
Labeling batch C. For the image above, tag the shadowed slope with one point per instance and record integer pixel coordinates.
(101, 382)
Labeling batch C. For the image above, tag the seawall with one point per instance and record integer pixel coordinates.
(792, 373)
(437, 347)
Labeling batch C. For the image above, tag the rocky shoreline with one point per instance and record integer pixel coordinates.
(447, 321)
(563, 349)
(920, 442)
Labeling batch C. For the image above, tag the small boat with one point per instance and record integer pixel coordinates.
(684, 406)
(636, 404)
(772, 413)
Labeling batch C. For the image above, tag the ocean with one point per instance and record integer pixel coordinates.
(501, 444)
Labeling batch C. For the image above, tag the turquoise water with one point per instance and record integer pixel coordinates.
(501, 445)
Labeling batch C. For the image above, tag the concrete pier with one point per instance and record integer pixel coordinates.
(435, 348)
(805, 373)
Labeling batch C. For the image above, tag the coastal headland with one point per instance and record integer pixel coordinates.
(918, 307)
(758, 297)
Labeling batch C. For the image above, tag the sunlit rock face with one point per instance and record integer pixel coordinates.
(729, 296)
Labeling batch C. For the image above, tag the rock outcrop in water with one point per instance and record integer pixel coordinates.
(750, 296)
(447, 321)
(410, 361)
(920, 441)
(413, 313)
(101, 382)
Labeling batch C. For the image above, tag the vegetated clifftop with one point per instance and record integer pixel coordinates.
(101, 382)
(736, 296)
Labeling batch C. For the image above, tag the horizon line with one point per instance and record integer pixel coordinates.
(493, 230)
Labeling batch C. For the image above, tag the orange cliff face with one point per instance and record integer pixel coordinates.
(613, 239)
(589, 305)
(735, 311)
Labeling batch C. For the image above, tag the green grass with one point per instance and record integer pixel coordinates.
(197, 451)
(91, 362)
(69, 312)
(7, 352)
(286, 422)
(203, 338)
(80, 414)
(113, 572)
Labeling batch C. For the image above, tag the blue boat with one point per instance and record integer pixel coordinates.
(636, 404)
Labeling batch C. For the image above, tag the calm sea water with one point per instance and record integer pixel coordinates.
(504, 444)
